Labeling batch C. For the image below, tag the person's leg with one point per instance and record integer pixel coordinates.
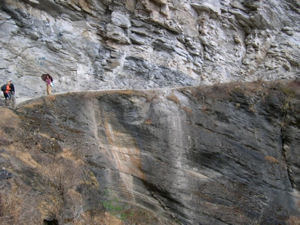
(6, 98)
(48, 89)
(12, 100)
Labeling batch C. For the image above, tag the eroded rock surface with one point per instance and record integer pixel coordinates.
(92, 44)
(204, 155)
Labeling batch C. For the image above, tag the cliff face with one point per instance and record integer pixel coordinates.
(205, 155)
(91, 44)
(226, 154)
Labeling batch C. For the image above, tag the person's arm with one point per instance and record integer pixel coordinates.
(12, 87)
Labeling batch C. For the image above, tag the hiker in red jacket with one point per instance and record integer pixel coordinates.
(8, 90)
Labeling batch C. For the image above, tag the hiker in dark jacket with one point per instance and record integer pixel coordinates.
(8, 90)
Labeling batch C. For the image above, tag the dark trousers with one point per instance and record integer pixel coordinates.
(7, 95)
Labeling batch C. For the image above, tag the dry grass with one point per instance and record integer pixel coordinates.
(151, 97)
(188, 110)
(97, 218)
(173, 98)
(293, 220)
(271, 159)
(252, 108)
(205, 108)
(17, 207)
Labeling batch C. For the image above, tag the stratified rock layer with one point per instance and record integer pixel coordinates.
(202, 155)
(92, 44)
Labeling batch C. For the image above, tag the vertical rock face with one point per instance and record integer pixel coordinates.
(204, 155)
(91, 44)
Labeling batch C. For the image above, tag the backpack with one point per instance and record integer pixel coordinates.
(3, 88)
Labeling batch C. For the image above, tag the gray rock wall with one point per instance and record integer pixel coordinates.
(89, 44)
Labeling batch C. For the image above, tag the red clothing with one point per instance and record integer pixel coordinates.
(8, 89)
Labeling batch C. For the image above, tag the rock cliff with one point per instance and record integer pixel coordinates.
(226, 154)
(92, 44)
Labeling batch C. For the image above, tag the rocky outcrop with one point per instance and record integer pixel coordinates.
(226, 154)
(91, 44)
